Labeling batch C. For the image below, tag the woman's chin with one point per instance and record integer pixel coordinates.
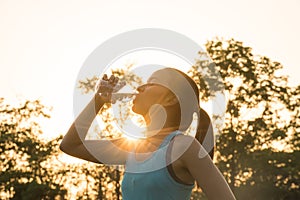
(136, 110)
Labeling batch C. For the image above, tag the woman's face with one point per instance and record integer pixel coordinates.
(148, 95)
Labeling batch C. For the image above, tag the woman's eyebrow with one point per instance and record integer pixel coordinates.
(152, 79)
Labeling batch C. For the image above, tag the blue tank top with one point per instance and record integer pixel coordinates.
(150, 179)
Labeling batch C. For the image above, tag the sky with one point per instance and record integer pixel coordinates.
(43, 44)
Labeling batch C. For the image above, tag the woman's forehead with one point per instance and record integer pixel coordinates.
(153, 79)
(159, 76)
(166, 77)
(177, 83)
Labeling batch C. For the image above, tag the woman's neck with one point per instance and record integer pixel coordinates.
(158, 122)
(159, 134)
(153, 140)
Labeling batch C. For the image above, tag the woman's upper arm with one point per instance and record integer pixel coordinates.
(113, 151)
(204, 171)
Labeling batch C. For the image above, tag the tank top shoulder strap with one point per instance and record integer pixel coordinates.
(169, 138)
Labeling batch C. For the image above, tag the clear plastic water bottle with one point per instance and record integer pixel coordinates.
(124, 97)
(115, 96)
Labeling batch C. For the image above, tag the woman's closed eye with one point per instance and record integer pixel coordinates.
(145, 86)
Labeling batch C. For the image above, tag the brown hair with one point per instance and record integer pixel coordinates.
(204, 132)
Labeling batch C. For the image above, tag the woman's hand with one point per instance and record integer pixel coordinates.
(105, 87)
(98, 151)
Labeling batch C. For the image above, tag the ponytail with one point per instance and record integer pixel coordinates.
(205, 133)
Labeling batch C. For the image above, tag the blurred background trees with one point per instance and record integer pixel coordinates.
(259, 144)
(256, 150)
(25, 158)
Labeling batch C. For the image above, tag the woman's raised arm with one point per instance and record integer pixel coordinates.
(98, 151)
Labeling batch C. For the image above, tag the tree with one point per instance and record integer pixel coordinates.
(261, 109)
(24, 155)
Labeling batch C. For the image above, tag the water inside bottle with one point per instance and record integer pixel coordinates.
(117, 95)
(124, 97)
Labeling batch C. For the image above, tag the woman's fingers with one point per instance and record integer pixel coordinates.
(112, 80)
(105, 78)
(116, 80)
(107, 86)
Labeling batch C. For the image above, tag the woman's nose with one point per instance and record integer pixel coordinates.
(140, 88)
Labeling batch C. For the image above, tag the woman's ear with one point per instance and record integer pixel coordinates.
(170, 100)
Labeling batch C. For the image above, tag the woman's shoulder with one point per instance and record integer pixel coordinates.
(184, 145)
(183, 141)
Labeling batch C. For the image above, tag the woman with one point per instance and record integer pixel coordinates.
(166, 163)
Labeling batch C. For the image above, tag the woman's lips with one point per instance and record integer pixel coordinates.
(134, 99)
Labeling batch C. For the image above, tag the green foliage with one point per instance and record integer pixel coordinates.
(261, 109)
(86, 180)
(23, 153)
